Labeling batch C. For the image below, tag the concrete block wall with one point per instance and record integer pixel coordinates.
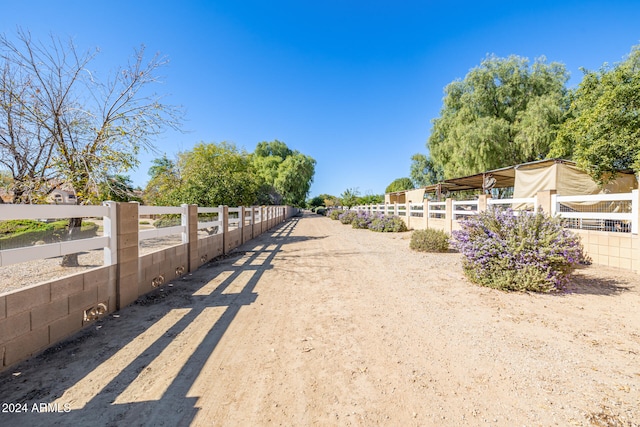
(39, 316)
(36, 317)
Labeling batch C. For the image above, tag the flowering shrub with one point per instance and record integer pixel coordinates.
(363, 219)
(429, 240)
(335, 213)
(347, 216)
(528, 252)
(388, 223)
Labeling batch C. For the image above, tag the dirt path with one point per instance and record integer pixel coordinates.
(320, 324)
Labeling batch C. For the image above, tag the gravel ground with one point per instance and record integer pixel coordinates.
(316, 323)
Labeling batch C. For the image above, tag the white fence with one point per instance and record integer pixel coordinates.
(600, 212)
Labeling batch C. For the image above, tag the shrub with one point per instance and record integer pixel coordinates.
(347, 216)
(527, 252)
(335, 213)
(321, 210)
(388, 224)
(429, 240)
(363, 219)
(169, 220)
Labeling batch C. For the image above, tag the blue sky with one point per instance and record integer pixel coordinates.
(354, 84)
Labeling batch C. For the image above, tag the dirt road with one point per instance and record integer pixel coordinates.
(319, 324)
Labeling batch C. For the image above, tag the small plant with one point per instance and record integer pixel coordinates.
(388, 224)
(429, 240)
(169, 220)
(335, 213)
(347, 217)
(321, 210)
(526, 252)
(144, 222)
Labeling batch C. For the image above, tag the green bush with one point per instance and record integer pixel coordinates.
(335, 213)
(168, 221)
(321, 210)
(429, 240)
(26, 232)
(525, 252)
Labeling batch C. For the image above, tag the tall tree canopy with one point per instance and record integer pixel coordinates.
(603, 134)
(504, 112)
(216, 174)
(423, 172)
(399, 184)
(286, 175)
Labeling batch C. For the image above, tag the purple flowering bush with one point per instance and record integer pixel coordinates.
(335, 213)
(527, 252)
(363, 219)
(388, 224)
(347, 216)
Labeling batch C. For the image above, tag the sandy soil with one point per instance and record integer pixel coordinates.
(319, 324)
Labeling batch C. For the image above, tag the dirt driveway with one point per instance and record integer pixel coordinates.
(319, 324)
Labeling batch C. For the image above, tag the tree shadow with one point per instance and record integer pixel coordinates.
(91, 357)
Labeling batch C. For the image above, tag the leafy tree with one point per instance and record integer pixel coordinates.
(164, 182)
(423, 172)
(315, 202)
(216, 174)
(399, 185)
(371, 199)
(94, 129)
(329, 201)
(603, 136)
(503, 113)
(118, 188)
(285, 174)
(349, 197)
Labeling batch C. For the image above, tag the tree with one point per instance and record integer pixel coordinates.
(423, 172)
(216, 174)
(95, 129)
(603, 134)
(118, 188)
(503, 113)
(371, 199)
(286, 175)
(315, 202)
(399, 184)
(163, 183)
(349, 197)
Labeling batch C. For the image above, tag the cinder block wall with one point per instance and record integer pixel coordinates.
(37, 317)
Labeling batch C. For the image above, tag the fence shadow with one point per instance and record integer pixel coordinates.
(51, 377)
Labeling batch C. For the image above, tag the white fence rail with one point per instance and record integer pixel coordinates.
(51, 250)
(601, 212)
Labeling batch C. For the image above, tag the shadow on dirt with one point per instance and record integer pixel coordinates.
(93, 359)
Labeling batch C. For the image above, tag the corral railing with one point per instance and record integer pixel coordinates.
(607, 223)
(137, 257)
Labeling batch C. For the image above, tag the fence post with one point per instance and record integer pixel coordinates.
(241, 223)
(635, 211)
(448, 223)
(190, 220)
(545, 202)
(224, 212)
(407, 214)
(425, 213)
(127, 254)
(110, 227)
(483, 200)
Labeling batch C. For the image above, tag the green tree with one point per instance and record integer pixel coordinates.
(423, 172)
(399, 184)
(286, 175)
(315, 202)
(118, 188)
(349, 197)
(371, 199)
(216, 174)
(164, 182)
(603, 135)
(503, 113)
